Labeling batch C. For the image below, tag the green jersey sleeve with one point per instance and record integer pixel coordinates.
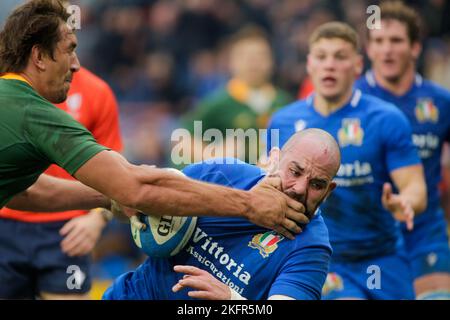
(59, 137)
(208, 112)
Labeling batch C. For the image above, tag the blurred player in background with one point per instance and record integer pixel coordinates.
(36, 263)
(377, 150)
(249, 97)
(253, 262)
(393, 51)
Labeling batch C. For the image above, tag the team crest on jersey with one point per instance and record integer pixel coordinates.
(350, 133)
(426, 111)
(333, 282)
(266, 243)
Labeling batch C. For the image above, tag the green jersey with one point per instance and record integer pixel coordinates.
(238, 107)
(34, 134)
(231, 108)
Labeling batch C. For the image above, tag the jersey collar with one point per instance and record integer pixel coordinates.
(370, 78)
(14, 76)
(353, 102)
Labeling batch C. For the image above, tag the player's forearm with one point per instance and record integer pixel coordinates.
(416, 195)
(81, 197)
(169, 194)
(410, 181)
(159, 191)
(51, 194)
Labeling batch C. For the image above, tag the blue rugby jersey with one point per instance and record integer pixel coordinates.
(427, 107)
(255, 262)
(375, 139)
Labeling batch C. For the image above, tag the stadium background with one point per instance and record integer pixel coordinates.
(163, 56)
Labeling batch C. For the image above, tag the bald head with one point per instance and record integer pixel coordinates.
(307, 164)
(316, 141)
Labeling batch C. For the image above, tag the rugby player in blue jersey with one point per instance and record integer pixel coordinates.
(393, 51)
(228, 258)
(380, 182)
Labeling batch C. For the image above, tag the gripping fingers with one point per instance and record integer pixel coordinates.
(295, 205)
(295, 216)
(284, 232)
(291, 226)
(274, 181)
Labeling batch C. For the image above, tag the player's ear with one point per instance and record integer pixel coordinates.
(37, 58)
(332, 186)
(416, 49)
(330, 189)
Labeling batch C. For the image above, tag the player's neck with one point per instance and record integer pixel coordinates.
(326, 106)
(28, 76)
(34, 79)
(398, 86)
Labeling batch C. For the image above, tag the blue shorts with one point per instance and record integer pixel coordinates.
(383, 278)
(31, 261)
(427, 244)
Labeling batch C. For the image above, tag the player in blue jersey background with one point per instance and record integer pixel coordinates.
(254, 262)
(393, 51)
(378, 159)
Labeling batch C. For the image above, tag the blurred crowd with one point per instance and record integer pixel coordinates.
(163, 57)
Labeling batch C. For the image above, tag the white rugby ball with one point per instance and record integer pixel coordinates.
(164, 236)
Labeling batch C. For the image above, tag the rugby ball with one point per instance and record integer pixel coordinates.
(164, 236)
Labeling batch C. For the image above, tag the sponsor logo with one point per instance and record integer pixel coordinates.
(266, 243)
(354, 174)
(350, 133)
(426, 111)
(356, 168)
(213, 256)
(426, 143)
